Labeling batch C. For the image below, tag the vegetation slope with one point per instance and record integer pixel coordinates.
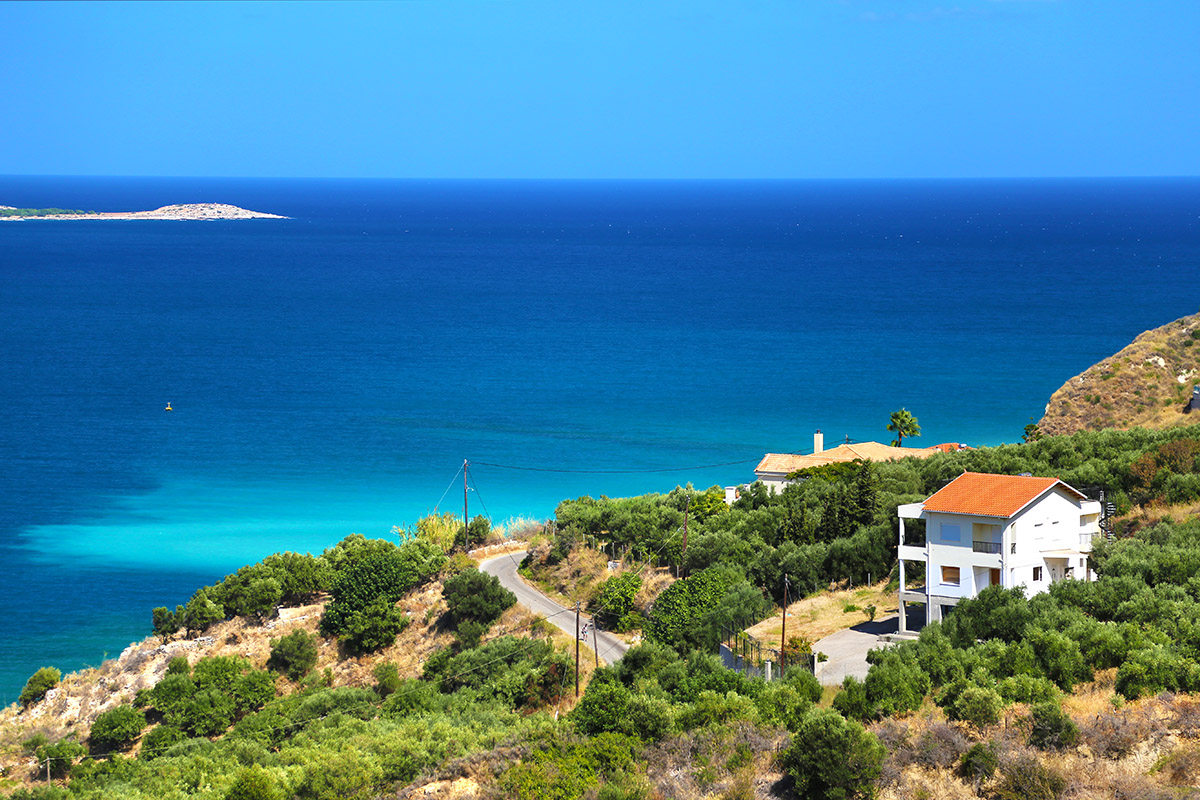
(1147, 384)
(401, 671)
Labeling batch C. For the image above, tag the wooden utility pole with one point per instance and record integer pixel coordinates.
(595, 642)
(783, 636)
(466, 519)
(576, 649)
(683, 556)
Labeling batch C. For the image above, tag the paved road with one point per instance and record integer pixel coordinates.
(505, 566)
(847, 650)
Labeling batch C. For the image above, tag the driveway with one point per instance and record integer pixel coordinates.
(847, 650)
(505, 566)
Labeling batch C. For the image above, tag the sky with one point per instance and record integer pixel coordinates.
(620, 89)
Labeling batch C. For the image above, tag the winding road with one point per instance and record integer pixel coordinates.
(505, 566)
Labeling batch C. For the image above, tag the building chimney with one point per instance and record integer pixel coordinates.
(818, 442)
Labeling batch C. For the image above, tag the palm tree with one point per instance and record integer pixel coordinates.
(903, 424)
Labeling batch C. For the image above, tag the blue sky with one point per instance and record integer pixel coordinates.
(696, 89)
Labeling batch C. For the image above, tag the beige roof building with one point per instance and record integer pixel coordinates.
(775, 467)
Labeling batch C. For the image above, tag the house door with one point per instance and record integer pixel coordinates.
(994, 578)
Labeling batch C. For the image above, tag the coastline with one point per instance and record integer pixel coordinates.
(184, 211)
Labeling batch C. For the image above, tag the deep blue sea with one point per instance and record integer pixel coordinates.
(330, 373)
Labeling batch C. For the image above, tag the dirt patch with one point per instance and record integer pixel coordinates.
(818, 616)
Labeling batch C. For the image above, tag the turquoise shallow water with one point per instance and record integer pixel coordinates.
(329, 373)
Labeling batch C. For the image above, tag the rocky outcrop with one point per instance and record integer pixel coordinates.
(1148, 384)
(185, 211)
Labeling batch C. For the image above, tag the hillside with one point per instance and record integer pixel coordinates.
(1148, 384)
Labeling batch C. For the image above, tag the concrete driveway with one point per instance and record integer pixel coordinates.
(847, 650)
(505, 566)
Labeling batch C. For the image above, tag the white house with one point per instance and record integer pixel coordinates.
(983, 529)
(775, 467)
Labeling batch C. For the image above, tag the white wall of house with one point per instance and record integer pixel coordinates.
(1048, 540)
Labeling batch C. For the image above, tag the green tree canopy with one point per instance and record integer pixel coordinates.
(903, 423)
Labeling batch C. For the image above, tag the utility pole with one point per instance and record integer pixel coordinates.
(682, 558)
(576, 649)
(466, 519)
(783, 636)
(595, 642)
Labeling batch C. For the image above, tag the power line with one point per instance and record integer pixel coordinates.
(615, 471)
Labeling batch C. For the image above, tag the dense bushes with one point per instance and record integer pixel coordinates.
(690, 612)
(476, 596)
(615, 609)
(294, 655)
(38, 684)
(370, 576)
(832, 758)
(116, 729)
(217, 691)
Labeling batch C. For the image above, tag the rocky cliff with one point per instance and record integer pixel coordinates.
(1147, 384)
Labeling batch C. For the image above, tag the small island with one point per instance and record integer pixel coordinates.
(186, 211)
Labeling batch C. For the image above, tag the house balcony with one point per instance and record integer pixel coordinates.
(992, 548)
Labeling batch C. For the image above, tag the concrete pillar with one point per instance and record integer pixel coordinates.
(903, 617)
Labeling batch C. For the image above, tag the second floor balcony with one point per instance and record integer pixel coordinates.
(986, 547)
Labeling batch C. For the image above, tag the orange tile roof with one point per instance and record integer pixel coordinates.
(992, 495)
(868, 451)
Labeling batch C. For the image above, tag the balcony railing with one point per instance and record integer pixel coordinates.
(986, 547)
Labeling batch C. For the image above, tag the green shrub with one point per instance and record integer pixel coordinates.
(648, 718)
(978, 706)
(253, 690)
(39, 792)
(294, 655)
(387, 679)
(477, 596)
(374, 627)
(219, 672)
(165, 621)
(469, 634)
(38, 684)
(852, 702)
(61, 755)
(979, 762)
(207, 713)
(342, 776)
(179, 666)
(160, 739)
(116, 729)
(1027, 689)
(616, 598)
(832, 758)
(602, 708)
(373, 574)
(1051, 728)
(675, 620)
(201, 611)
(254, 783)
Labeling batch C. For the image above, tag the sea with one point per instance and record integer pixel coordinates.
(331, 373)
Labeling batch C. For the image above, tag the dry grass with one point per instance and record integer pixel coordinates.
(1147, 384)
(818, 616)
(1145, 750)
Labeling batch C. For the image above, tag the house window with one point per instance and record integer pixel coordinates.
(951, 533)
(950, 576)
(1037, 574)
(1013, 548)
